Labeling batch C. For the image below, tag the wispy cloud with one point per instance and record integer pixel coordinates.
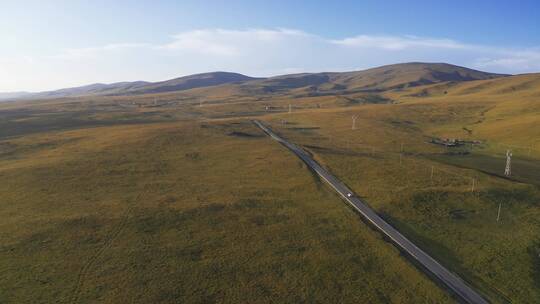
(527, 60)
(398, 43)
(257, 52)
(222, 42)
(211, 42)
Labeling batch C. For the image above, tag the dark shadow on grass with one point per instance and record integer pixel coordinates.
(304, 128)
(534, 253)
(336, 151)
(523, 170)
(244, 134)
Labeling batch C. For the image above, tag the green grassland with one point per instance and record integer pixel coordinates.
(441, 213)
(184, 212)
(178, 198)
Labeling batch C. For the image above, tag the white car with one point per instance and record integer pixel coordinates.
(349, 195)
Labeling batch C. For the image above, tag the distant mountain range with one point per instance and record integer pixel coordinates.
(136, 87)
(396, 76)
(387, 77)
(13, 95)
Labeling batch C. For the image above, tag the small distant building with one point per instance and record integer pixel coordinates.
(448, 142)
(452, 142)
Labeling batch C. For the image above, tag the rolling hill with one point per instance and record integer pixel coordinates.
(93, 89)
(389, 77)
(396, 76)
(193, 81)
(13, 95)
(140, 87)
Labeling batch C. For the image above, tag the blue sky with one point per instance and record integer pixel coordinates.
(54, 44)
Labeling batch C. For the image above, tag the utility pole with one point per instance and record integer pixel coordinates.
(508, 169)
(290, 109)
(499, 212)
(354, 118)
(432, 169)
(401, 149)
(472, 186)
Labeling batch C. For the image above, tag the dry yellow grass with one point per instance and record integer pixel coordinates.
(184, 212)
(116, 199)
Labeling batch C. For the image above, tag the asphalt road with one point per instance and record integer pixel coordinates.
(451, 280)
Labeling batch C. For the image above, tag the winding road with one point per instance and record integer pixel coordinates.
(451, 280)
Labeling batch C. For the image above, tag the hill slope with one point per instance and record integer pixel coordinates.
(387, 77)
(143, 87)
(193, 81)
(93, 89)
(12, 95)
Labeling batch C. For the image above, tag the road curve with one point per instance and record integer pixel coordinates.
(451, 280)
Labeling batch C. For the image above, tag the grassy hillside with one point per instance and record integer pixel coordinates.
(177, 197)
(410, 74)
(388, 77)
(395, 76)
(388, 161)
(456, 225)
(505, 111)
(192, 81)
(138, 87)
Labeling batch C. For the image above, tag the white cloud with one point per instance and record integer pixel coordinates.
(256, 52)
(398, 43)
(221, 42)
(203, 42)
(512, 60)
